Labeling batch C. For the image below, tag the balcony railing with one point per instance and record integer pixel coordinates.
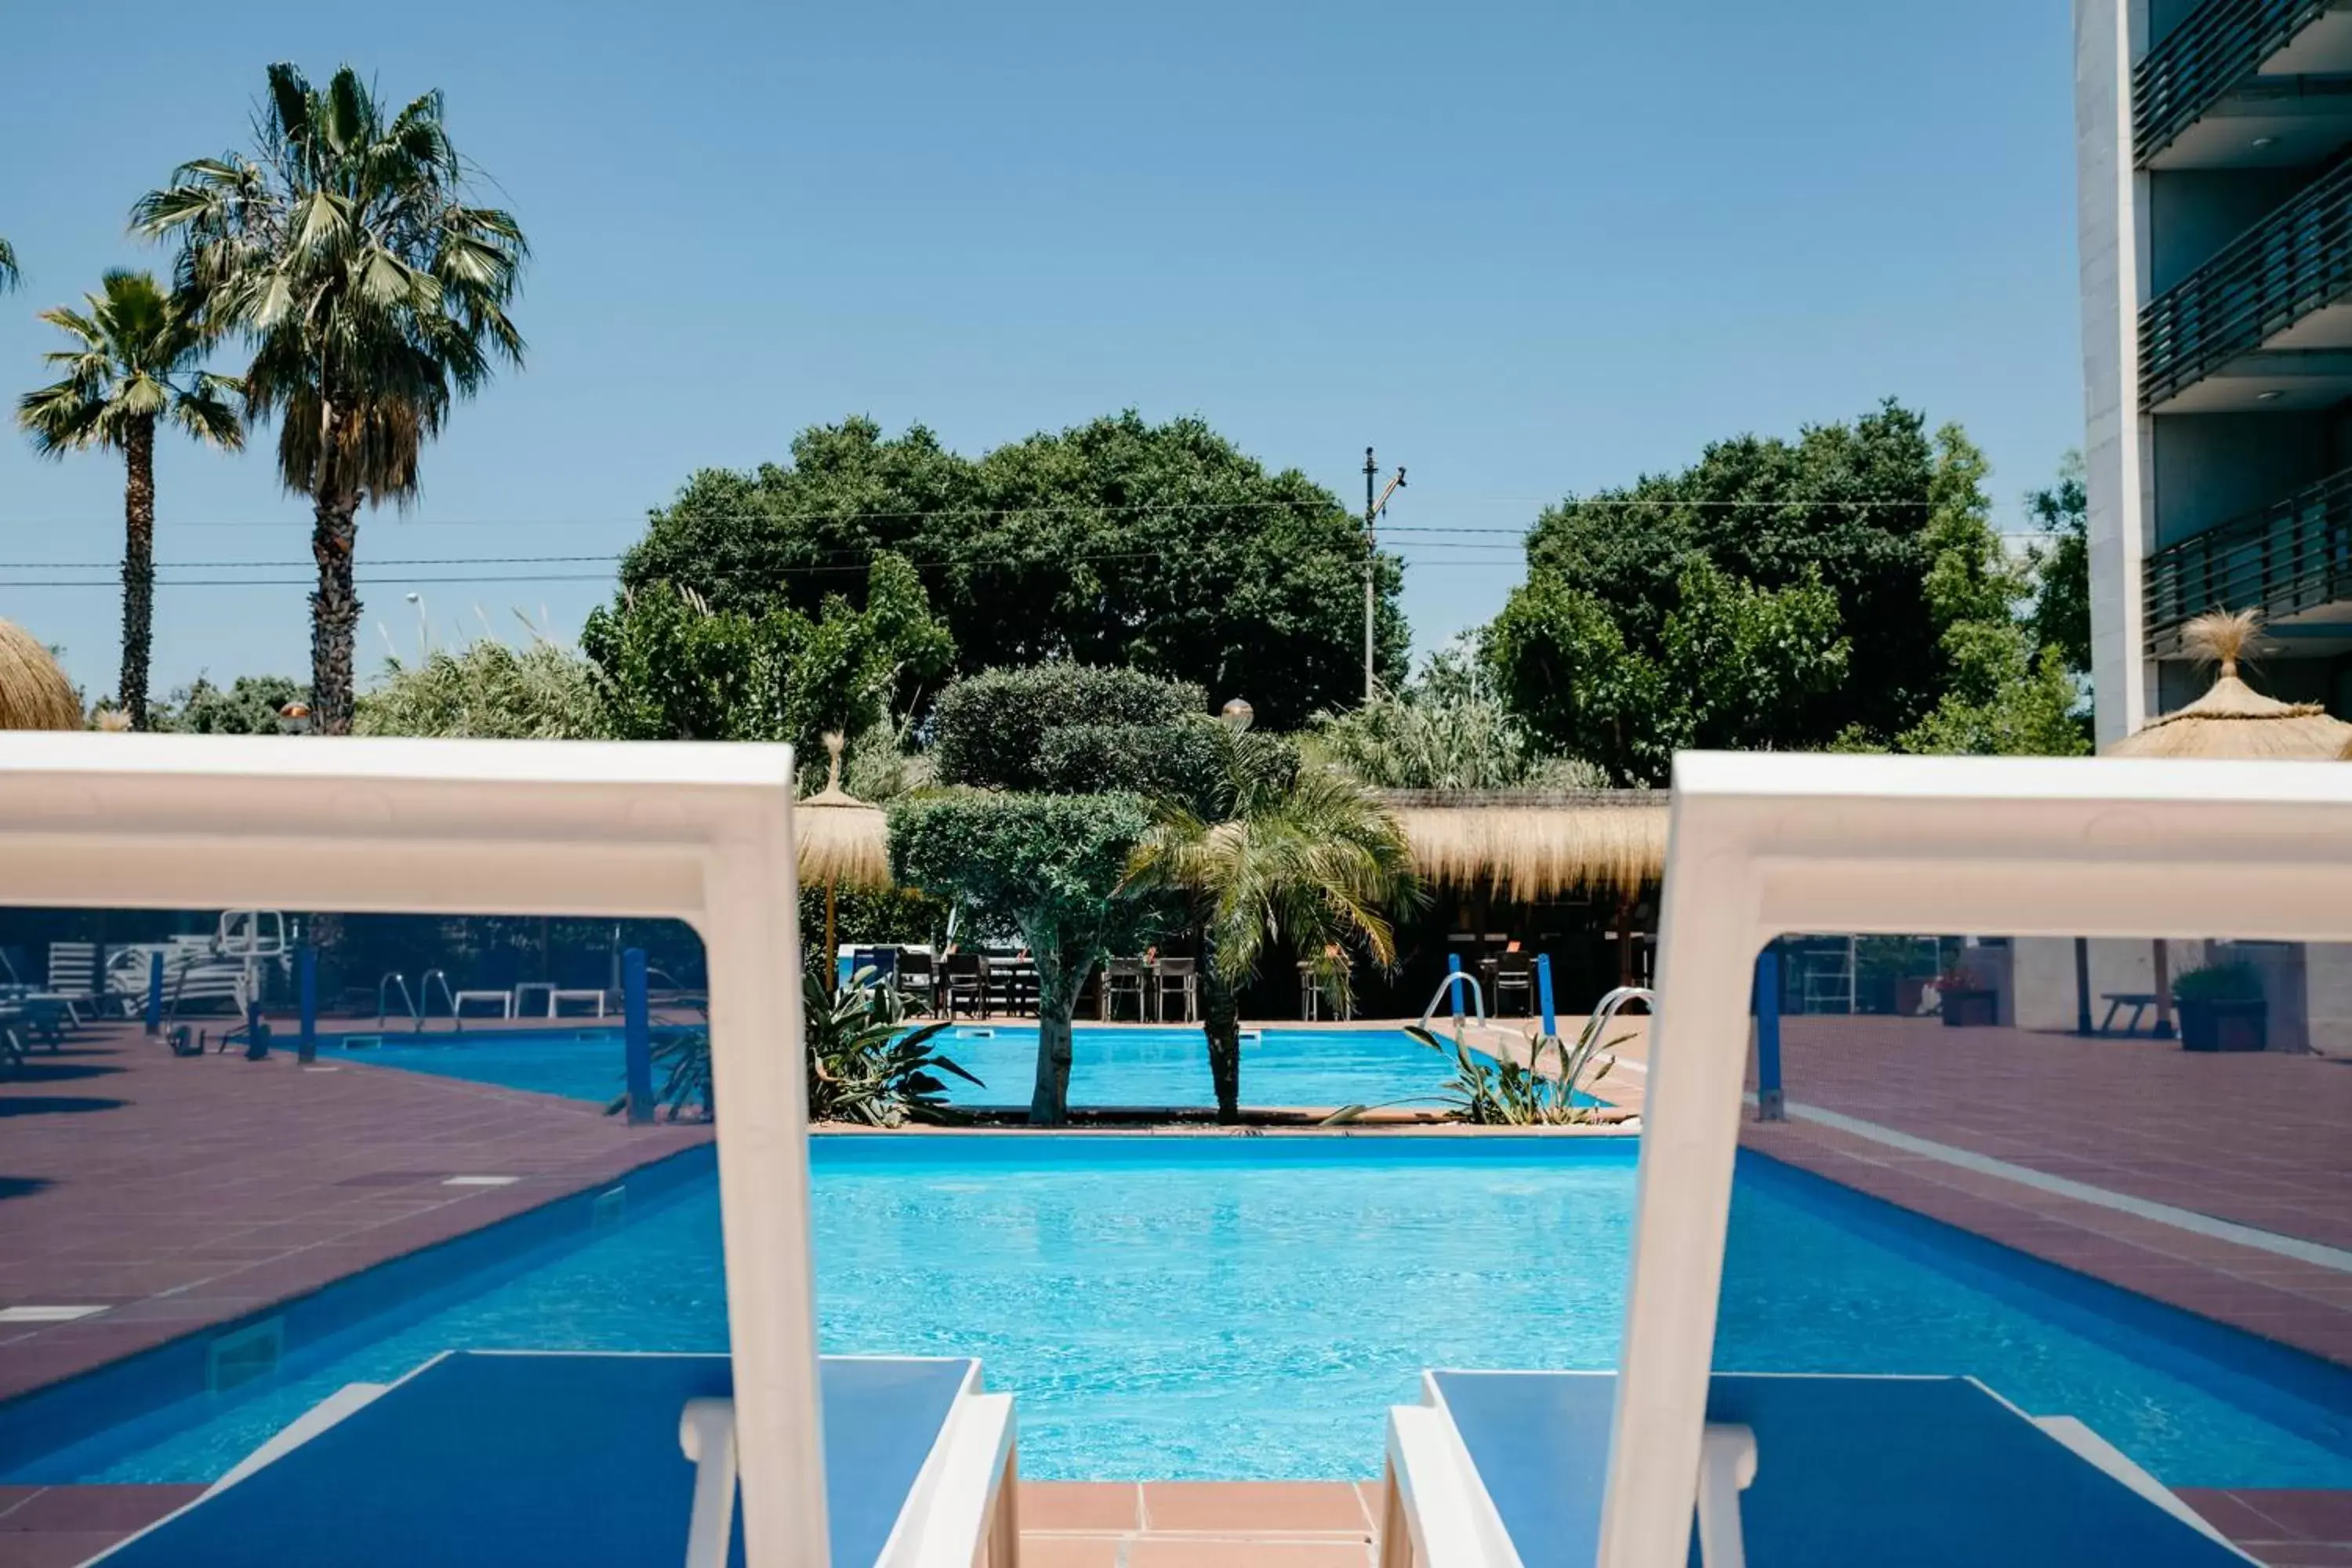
(2204, 57)
(2292, 556)
(2293, 262)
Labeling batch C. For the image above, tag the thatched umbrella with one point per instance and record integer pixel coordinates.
(33, 692)
(843, 841)
(2233, 719)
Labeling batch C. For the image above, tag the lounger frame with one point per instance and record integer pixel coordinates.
(697, 833)
(1763, 845)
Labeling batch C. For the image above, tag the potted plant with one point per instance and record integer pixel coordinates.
(2221, 1008)
(1966, 1001)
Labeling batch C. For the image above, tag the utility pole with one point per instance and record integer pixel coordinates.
(1373, 509)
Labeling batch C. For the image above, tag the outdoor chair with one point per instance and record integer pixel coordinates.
(1122, 977)
(1507, 1468)
(965, 978)
(495, 1457)
(1180, 978)
(919, 981)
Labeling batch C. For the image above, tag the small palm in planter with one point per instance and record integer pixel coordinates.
(2221, 1008)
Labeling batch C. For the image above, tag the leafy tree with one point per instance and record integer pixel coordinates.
(1265, 851)
(373, 295)
(2006, 692)
(675, 667)
(540, 692)
(1729, 666)
(1845, 506)
(1448, 729)
(249, 706)
(2060, 617)
(1055, 865)
(1067, 729)
(1157, 547)
(132, 364)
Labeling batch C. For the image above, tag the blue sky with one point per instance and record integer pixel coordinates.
(1525, 247)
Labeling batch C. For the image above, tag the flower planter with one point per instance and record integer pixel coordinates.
(2214, 1026)
(1973, 1008)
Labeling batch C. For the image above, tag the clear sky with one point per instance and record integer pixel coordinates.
(1525, 247)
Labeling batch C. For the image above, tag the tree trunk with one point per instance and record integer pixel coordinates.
(1057, 999)
(138, 568)
(1221, 1021)
(334, 614)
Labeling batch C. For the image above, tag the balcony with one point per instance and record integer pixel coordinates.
(2245, 82)
(2288, 559)
(2265, 324)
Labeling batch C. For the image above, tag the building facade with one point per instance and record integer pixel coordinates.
(2214, 148)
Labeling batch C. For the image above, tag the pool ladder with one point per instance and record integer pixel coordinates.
(395, 980)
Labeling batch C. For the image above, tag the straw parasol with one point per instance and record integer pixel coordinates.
(2233, 719)
(1529, 847)
(33, 692)
(844, 842)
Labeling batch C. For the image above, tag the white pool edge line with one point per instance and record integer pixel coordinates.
(2246, 1236)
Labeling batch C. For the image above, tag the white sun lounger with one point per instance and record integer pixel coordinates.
(495, 1459)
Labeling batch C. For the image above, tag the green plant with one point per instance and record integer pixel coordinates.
(1074, 728)
(1268, 849)
(133, 364)
(373, 294)
(2232, 979)
(541, 691)
(1448, 729)
(1505, 1094)
(864, 1064)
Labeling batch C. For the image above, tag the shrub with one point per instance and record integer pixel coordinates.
(2233, 981)
(1071, 729)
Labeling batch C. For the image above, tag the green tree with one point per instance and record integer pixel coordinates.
(1156, 547)
(1054, 865)
(132, 364)
(1447, 730)
(676, 668)
(540, 692)
(1267, 851)
(249, 705)
(2060, 616)
(1847, 506)
(1728, 666)
(373, 295)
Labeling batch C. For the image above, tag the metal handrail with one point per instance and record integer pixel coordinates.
(2293, 262)
(2293, 555)
(1454, 977)
(2205, 58)
(382, 991)
(425, 996)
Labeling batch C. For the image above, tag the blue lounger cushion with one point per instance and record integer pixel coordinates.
(1874, 1472)
(504, 1458)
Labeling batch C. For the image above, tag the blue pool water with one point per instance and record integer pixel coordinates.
(1247, 1307)
(1317, 1068)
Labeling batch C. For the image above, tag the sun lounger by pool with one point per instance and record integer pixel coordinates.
(1508, 1469)
(488, 1458)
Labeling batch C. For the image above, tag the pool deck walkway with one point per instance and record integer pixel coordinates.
(173, 1194)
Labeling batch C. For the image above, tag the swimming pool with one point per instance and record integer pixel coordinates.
(1110, 1068)
(1246, 1309)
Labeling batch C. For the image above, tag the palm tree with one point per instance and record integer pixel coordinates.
(7, 266)
(344, 252)
(132, 364)
(1272, 850)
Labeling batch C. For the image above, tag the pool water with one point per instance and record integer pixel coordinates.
(1110, 1068)
(1186, 1308)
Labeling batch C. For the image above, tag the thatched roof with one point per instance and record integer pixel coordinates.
(2233, 719)
(1535, 847)
(33, 692)
(844, 842)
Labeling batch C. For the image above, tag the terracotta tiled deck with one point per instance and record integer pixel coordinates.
(178, 1193)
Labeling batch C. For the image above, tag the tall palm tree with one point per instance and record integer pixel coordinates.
(7, 266)
(373, 296)
(1274, 850)
(132, 364)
